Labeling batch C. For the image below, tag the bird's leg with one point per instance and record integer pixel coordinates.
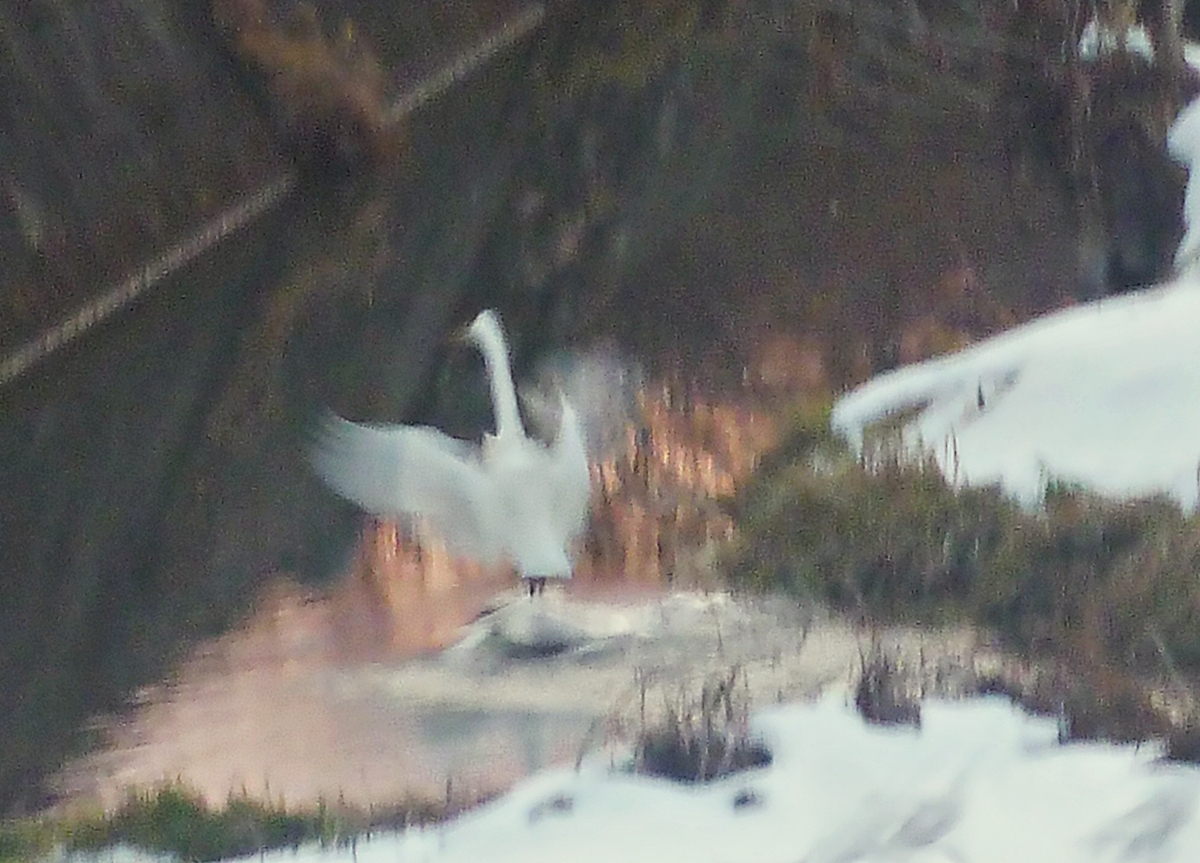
(532, 586)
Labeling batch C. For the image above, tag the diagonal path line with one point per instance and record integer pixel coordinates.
(430, 88)
(250, 207)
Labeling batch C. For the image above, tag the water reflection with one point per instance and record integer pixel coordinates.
(265, 710)
(344, 694)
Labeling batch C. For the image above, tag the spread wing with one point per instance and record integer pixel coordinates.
(572, 482)
(401, 470)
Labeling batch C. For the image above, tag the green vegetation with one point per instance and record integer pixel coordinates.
(173, 819)
(1108, 589)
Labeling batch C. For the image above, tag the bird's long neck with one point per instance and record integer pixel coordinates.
(504, 394)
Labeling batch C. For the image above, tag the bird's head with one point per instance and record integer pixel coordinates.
(484, 329)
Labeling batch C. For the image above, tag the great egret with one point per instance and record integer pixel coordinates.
(511, 497)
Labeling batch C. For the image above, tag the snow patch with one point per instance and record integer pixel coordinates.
(1105, 394)
(980, 781)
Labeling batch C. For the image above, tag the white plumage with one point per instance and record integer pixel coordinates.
(511, 497)
(1183, 142)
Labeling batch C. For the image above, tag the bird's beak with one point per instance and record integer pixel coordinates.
(463, 335)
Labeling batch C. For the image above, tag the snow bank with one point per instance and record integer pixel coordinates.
(1105, 394)
(980, 781)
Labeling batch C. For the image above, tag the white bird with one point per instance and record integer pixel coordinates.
(512, 497)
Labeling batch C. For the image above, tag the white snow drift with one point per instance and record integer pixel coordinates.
(1106, 394)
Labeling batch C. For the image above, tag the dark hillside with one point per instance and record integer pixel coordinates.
(120, 127)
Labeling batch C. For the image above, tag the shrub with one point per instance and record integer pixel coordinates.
(699, 740)
(895, 541)
(328, 93)
(1106, 586)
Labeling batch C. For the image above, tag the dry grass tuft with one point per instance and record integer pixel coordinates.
(690, 736)
(175, 820)
(1104, 593)
(328, 93)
